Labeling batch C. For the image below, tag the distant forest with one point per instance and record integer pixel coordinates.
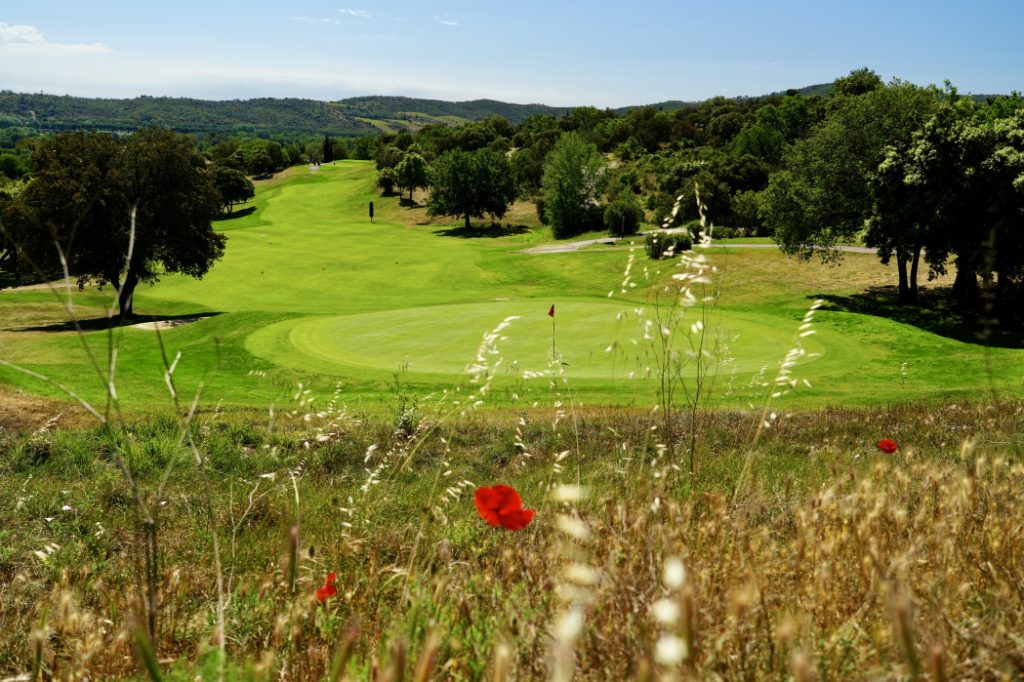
(283, 119)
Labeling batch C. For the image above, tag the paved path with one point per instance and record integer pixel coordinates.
(569, 247)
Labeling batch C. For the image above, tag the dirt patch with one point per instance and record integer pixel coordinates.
(23, 412)
(60, 285)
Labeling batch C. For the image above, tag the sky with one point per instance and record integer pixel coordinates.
(595, 53)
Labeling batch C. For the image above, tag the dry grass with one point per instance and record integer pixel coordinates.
(835, 561)
(748, 274)
(26, 412)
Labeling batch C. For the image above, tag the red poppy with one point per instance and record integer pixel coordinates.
(500, 505)
(328, 590)
(887, 446)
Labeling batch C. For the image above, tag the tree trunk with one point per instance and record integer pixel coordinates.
(965, 286)
(914, 263)
(467, 221)
(126, 297)
(904, 291)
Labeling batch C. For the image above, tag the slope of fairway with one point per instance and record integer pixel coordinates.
(310, 248)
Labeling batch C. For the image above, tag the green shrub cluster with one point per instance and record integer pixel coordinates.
(622, 217)
(657, 244)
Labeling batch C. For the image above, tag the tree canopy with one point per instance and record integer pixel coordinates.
(572, 184)
(470, 184)
(822, 196)
(411, 172)
(957, 190)
(121, 211)
(233, 186)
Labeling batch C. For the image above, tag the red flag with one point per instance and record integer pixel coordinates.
(551, 312)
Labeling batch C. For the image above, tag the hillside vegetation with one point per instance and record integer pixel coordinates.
(348, 117)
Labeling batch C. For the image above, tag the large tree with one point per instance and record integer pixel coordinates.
(470, 184)
(823, 196)
(958, 191)
(411, 172)
(572, 185)
(233, 186)
(120, 211)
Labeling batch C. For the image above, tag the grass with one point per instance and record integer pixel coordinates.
(309, 288)
(193, 548)
(836, 561)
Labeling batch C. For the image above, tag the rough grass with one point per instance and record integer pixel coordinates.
(830, 559)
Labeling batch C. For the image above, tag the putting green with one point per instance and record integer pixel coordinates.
(597, 340)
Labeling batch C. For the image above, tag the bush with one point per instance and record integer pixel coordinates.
(622, 217)
(541, 209)
(660, 204)
(657, 244)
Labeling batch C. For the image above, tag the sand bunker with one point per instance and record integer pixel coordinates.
(168, 324)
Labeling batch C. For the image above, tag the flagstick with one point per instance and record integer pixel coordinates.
(554, 355)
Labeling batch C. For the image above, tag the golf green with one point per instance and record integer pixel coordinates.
(594, 339)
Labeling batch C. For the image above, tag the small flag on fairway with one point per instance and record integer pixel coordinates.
(551, 312)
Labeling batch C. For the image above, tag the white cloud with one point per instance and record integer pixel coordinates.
(362, 14)
(19, 33)
(19, 40)
(312, 20)
(446, 22)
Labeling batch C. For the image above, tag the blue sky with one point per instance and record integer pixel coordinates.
(596, 53)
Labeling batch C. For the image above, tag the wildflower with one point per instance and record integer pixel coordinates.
(500, 505)
(887, 446)
(328, 589)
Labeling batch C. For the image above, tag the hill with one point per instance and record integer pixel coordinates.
(282, 118)
(346, 118)
(52, 113)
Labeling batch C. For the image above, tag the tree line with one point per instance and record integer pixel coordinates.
(932, 179)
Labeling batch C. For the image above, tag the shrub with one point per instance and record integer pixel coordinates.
(657, 244)
(622, 217)
(541, 209)
(660, 204)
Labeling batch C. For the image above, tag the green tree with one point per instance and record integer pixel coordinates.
(471, 184)
(13, 166)
(386, 180)
(623, 216)
(328, 153)
(261, 163)
(956, 191)
(233, 186)
(411, 172)
(87, 187)
(572, 185)
(278, 156)
(858, 82)
(823, 195)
